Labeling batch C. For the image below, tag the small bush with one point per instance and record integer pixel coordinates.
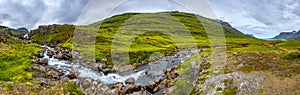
(292, 56)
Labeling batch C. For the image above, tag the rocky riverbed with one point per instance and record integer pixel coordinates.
(55, 64)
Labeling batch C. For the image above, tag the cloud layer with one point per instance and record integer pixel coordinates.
(264, 19)
(31, 13)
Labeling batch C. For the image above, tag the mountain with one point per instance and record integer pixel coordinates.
(294, 35)
(250, 35)
(154, 30)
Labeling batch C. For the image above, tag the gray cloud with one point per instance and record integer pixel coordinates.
(31, 13)
(263, 18)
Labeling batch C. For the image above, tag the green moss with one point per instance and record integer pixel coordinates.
(73, 89)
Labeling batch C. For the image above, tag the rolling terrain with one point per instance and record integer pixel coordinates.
(147, 37)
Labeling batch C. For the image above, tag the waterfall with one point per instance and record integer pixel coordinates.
(26, 36)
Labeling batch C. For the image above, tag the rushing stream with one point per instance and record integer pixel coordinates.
(111, 78)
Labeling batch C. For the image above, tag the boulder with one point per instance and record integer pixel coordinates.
(152, 87)
(86, 83)
(101, 66)
(40, 55)
(169, 69)
(164, 81)
(72, 75)
(117, 86)
(137, 87)
(128, 89)
(43, 61)
(148, 72)
(53, 73)
(107, 70)
(173, 60)
(156, 89)
(59, 55)
(130, 80)
(115, 91)
(50, 53)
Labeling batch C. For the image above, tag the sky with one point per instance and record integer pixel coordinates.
(262, 18)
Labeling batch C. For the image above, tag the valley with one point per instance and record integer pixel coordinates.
(171, 53)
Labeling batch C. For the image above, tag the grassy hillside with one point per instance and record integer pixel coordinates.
(157, 32)
(53, 34)
(15, 59)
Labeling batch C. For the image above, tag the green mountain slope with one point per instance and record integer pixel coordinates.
(156, 32)
(16, 57)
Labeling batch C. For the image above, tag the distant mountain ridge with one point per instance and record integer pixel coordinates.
(294, 35)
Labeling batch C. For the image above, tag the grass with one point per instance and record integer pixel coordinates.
(140, 35)
(154, 38)
(291, 45)
(73, 89)
(58, 34)
(15, 59)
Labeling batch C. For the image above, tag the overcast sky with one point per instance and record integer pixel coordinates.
(263, 18)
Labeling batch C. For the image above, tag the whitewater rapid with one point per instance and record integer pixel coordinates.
(66, 68)
(111, 78)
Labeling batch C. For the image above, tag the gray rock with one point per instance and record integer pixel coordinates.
(72, 75)
(53, 73)
(152, 87)
(86, 83)
(130, 80)
(117, 86)
(43, 61)
(128, 89)
(148, 72)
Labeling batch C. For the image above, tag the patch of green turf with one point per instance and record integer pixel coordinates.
(73, 89)
(291, 45)
(15, 59)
